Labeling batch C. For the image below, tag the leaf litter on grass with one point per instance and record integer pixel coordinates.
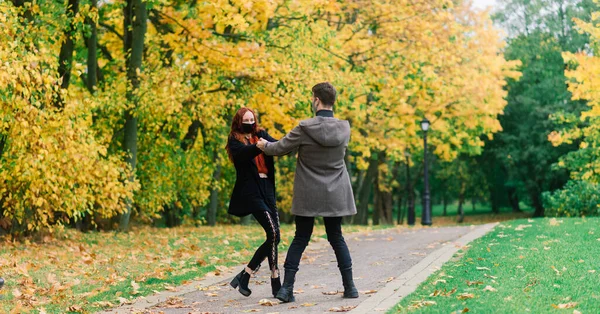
(97, 270)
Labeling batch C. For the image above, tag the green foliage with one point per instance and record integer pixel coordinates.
(539, 32)
(577, 198)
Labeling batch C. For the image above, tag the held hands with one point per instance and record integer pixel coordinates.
(261, 143)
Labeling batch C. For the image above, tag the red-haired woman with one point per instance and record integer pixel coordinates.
(254, 193)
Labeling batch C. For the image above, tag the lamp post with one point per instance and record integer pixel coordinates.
(426, 212)
(409, 193)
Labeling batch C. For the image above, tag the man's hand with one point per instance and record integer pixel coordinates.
(261, 143)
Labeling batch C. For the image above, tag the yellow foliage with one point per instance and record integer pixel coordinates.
(393, 63)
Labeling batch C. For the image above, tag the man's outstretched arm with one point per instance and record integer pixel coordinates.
(287, 144)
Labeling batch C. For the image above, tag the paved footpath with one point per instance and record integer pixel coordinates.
(388, 265)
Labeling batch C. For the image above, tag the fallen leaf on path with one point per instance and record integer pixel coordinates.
(331, 292)
(418, 253)
(347, 308)
(170, 288)
(252, 311)
(267, 302)
(317, 287)
(387, 280)
(368, 291)
(308, 304)
(122, 301)
(211, 294)
(565, 305)
(489, 288)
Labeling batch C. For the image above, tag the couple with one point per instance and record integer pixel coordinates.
(321, 188)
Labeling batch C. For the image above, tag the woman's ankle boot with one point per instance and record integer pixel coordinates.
(286, 293)
(242, 279)
(275, 286)
(350, 291)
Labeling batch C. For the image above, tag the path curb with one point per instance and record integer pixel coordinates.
(408, 282)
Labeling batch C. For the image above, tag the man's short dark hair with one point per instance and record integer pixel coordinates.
(325, 92)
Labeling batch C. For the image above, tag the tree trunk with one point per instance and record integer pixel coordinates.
(92, 57)
(461, 212)
(473, 203)
(387, 203)
(214, 192)
(364, 194)
(513, 199)
(65, 56)
(377, 206)
(383, 208)
(537, 204)
(410, 197)
(445, 200)
(135, 33)
(398, 203)
(494, 201)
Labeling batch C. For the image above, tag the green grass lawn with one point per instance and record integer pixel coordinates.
(437, 210)
(522, 266)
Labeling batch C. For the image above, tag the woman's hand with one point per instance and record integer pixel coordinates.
(261, 143)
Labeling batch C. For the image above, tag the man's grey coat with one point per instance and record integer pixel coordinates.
(322, 186)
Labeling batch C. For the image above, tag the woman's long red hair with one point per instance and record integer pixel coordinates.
(236, 128)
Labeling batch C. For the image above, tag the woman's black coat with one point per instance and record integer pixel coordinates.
(248, 196)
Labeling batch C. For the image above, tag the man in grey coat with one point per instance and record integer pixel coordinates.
(322, 186)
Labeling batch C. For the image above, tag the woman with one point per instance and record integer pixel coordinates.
(254, 193)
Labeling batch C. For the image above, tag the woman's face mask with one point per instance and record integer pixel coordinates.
(248, 127)
(248, 123)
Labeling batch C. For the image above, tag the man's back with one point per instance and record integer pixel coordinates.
(321, 185)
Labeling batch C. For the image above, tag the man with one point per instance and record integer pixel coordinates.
(1, 282)
(321, 185)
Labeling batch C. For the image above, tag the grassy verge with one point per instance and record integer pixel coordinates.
(523, 266)
(70, 271)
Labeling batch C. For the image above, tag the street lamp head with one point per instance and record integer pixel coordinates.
(425, 124)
